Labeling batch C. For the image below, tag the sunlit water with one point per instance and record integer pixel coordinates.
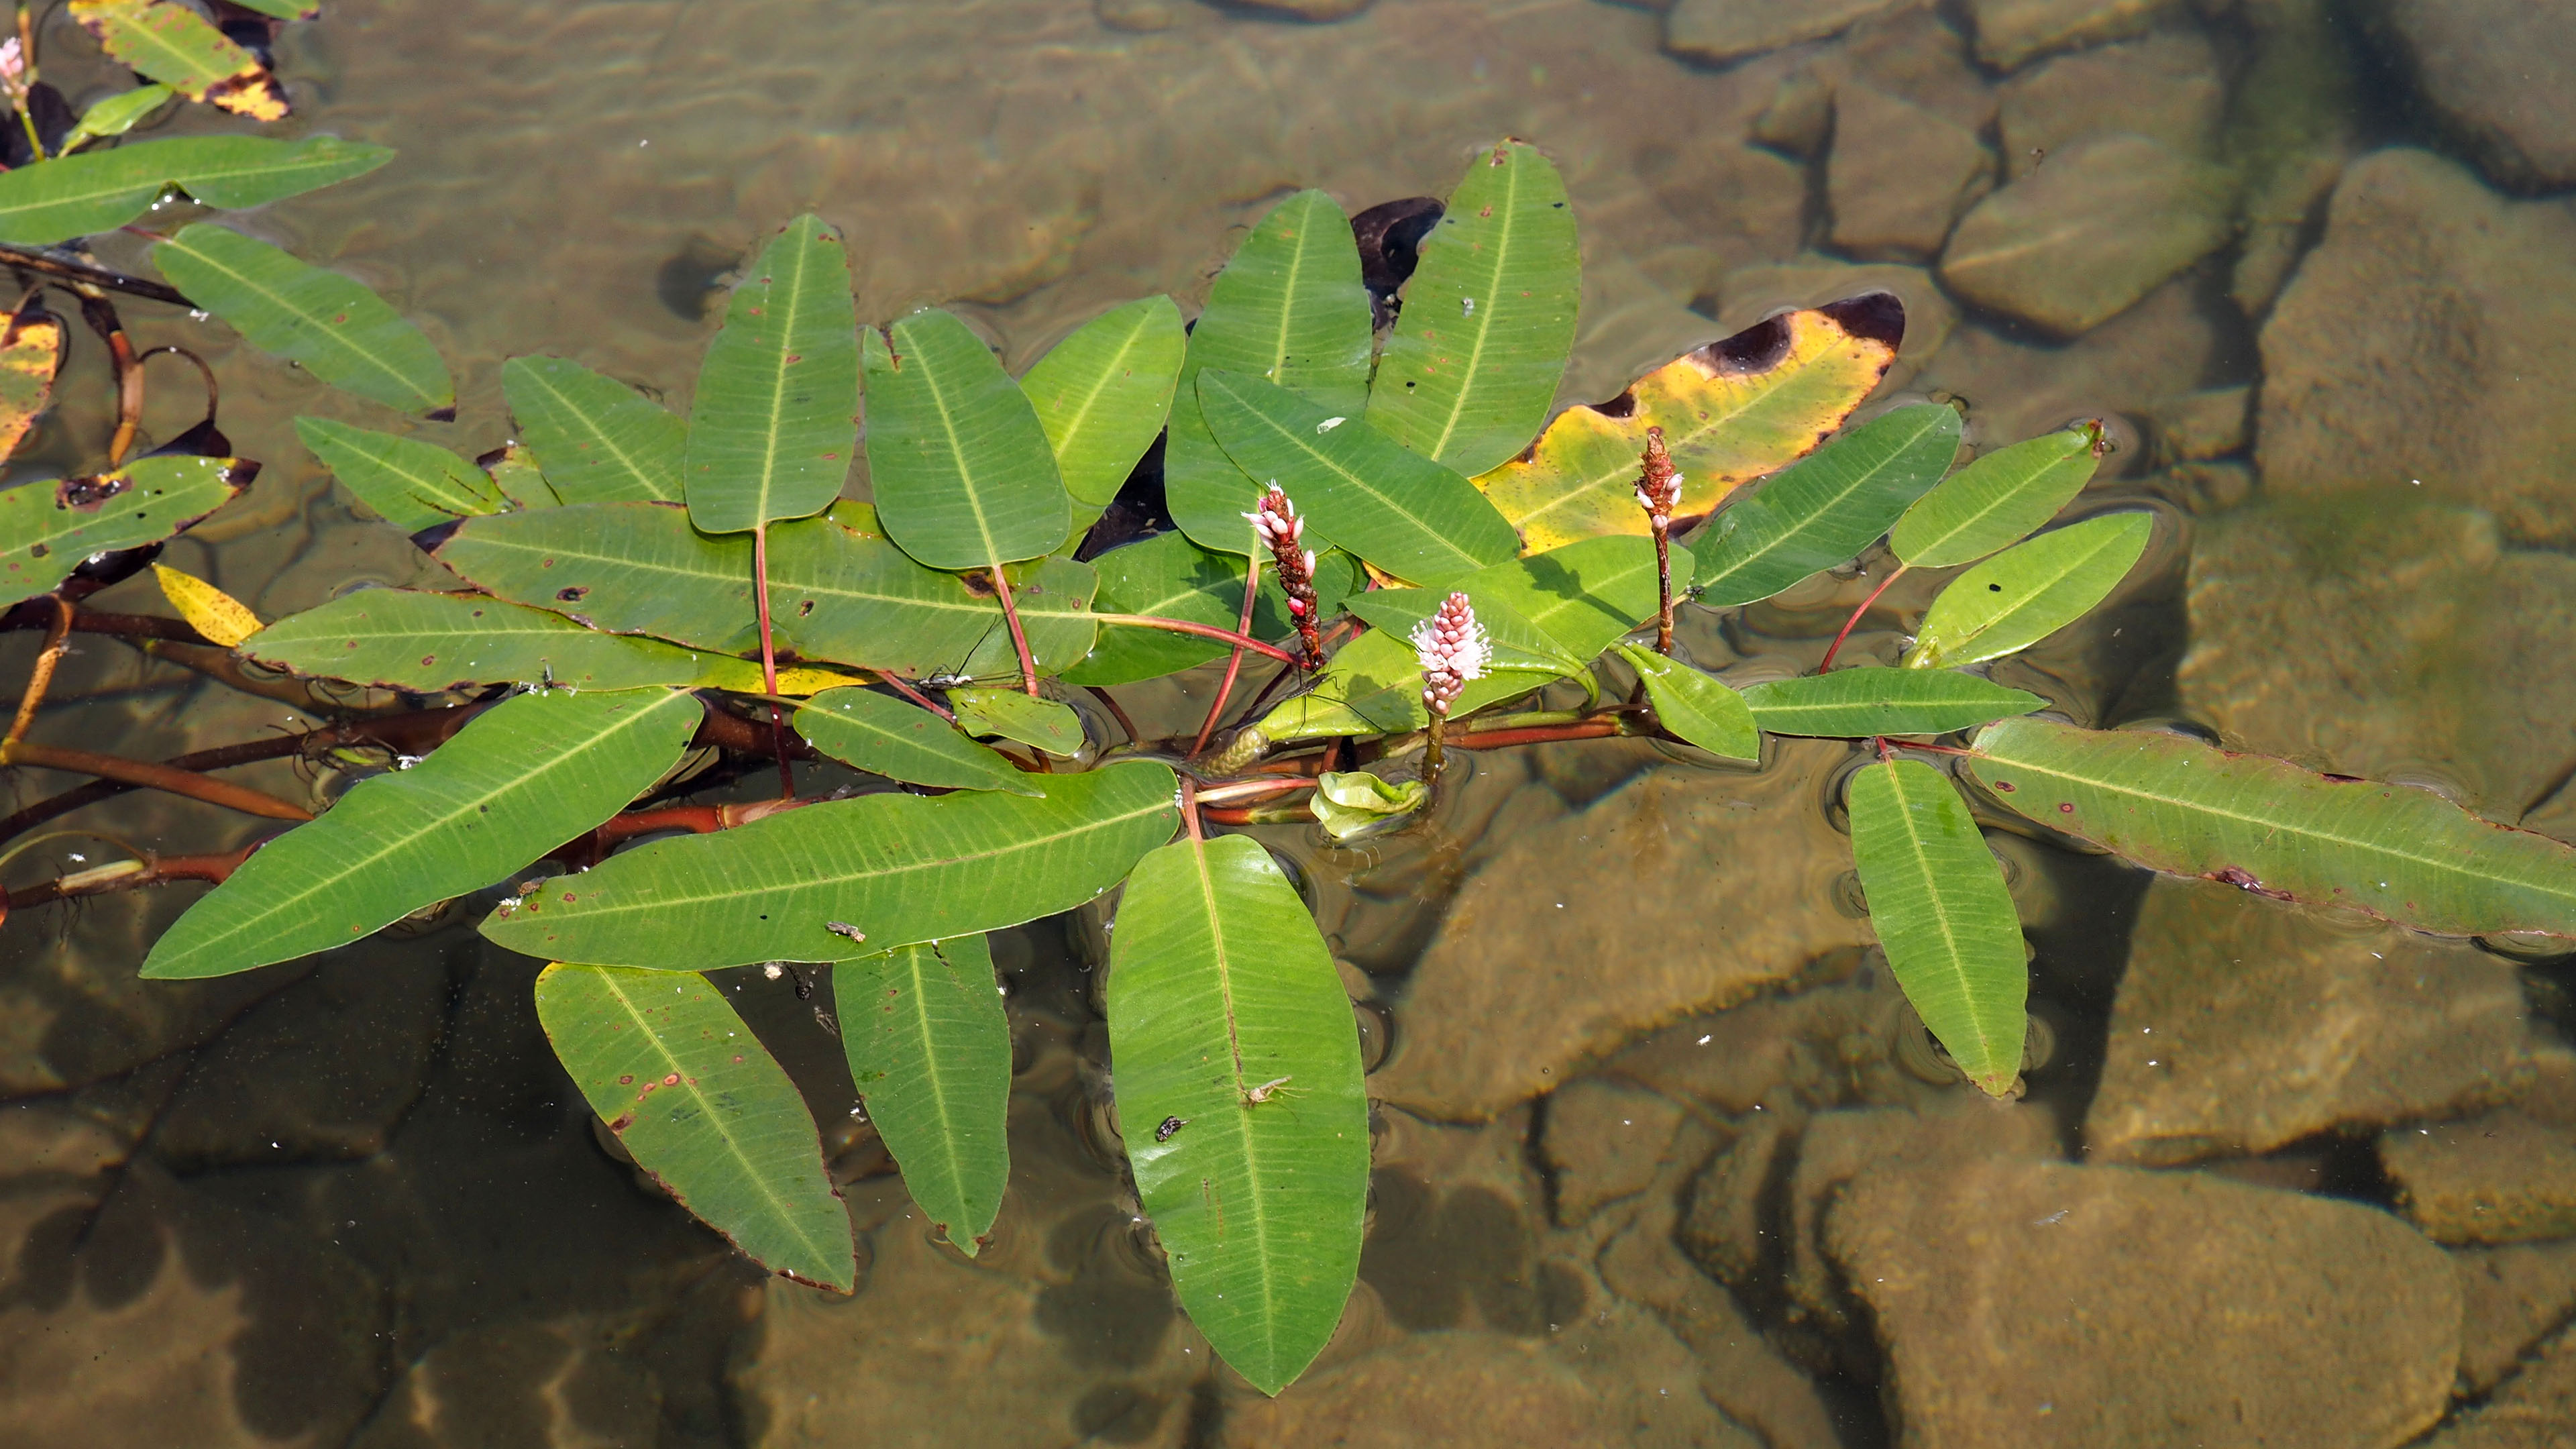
(353, 1201)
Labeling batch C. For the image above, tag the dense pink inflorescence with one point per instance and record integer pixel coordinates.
(1453, 649)
(1274, 520)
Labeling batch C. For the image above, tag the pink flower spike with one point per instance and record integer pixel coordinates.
(1275, 522)
(1453, 650)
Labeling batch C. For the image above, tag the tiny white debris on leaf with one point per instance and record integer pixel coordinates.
(1328, 424)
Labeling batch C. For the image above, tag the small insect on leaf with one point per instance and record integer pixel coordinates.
(844, 928)
(1169, 1125)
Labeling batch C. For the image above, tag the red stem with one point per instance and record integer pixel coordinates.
(1019, 640)
(1233, 660)
(154, 777)
(1836, 647)
(1116, 711)
(1590, 729)
(1190, 807)
(157, 871)
(904, 688)
(1240, 640)
(769, 663)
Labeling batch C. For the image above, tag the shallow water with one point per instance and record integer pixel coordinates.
(353, 1200)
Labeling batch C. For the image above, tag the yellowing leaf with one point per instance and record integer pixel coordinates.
(31, 357)
(183, 50)
(1731, 412)
(209, 610)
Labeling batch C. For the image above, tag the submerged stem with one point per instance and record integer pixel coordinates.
(1848, 624)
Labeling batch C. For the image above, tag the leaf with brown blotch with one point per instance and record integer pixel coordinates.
(31, 357)
(183, 50)
(1732, 411)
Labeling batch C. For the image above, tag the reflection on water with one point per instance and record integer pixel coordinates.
(1660, 1158)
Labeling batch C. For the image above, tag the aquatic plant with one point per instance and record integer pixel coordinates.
(648, 604)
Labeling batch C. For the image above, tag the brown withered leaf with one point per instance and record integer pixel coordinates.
(31, 357)
(181, 49)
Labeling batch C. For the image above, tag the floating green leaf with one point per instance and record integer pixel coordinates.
(2029, 591)
(337, 330)
(962, 471)
(2177, 805)
(1488, 319)
(113, 116)
(1997, 499)
(776, 417)
(410, 484)
(1104, 392)
(885, 736)
(1169, 577)
(1731, 412)
(699, 1103)
(175, 45)
(598, 440)
(1226, 1018)
(47, 528)
(1357, 487)
(283, 9)
(425, 642)
(930, 1050)
(1350, 802)
(898, 869)
(1825, 509)
(1938, 901)
(1288, 308)
(97, 191)
(1043, 724)
(1859, 703)
(1698, 707)
(527, 775)
(834, 594)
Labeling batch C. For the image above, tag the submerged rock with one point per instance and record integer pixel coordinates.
(2535, 1409)
(2382, 632)
(2496, 71)
(1682, 891)
(1604, 1140)
(2165, 87)
(2500, 1178)
(2030, 1304)
(2010, 32)
(2093, 230)
(2243, 1024)
(1899, 175)
(1297, 9)
(1726, 30)
(2428, 337)
(2509, 1297)
(2162, 346)
(1753, 293)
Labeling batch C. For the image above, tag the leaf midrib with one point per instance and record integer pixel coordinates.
(2003, 496)
(775, 411)
(1470, 561)
(141, 37)
(1222, 959)
(1080, 417)
(1944, 650)
(966, 484)
(316, 329)
(1954, 959)
(1492, 286)
(708, 1109)
(566, 407)
(1815, 518)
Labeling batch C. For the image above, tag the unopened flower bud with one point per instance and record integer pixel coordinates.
(1275, 522)
(1659, 484)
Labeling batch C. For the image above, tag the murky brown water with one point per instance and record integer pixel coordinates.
(1663, 1159)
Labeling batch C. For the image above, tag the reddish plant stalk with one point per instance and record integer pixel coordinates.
(1590, 729)
(1019, 640)
(904, 687)
(1116, 710)
(1190, 808)
(1234, 660)
(154, 777)
(155, 870)
(41, 678)
(1204, 631)
(1848, 624)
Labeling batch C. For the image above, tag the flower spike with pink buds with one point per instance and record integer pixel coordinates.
(1275, 522)
(1453, 649)
(1659, 492)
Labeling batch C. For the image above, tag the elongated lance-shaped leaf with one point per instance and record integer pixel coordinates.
(31, 357)
(1488, 319)
(425, 642)
(1939, 904)
(1169, 577)
(47, 528)
(410, 484)
(1995, 500)
(1043, 724)
(1731, 412)
(1583, 596)
(2030, 591)
(1698, 707)
(183, 50)
(1225, 1016)
(1859, 703)
(1359, 489)
(209, 610)
(962, 471)
(331, 326)
(1288, 308)
(897, 869)
(98, 191)
(885, 736)
(930, 1050)
(1825, 509)
(598, 440)
(113, 116)
(2177, 805)
(527, 775)
(776, 416)
(1104, 392)
(834, 593)
(699, 1103)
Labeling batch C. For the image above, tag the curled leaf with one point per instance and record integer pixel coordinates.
(1350, 802)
